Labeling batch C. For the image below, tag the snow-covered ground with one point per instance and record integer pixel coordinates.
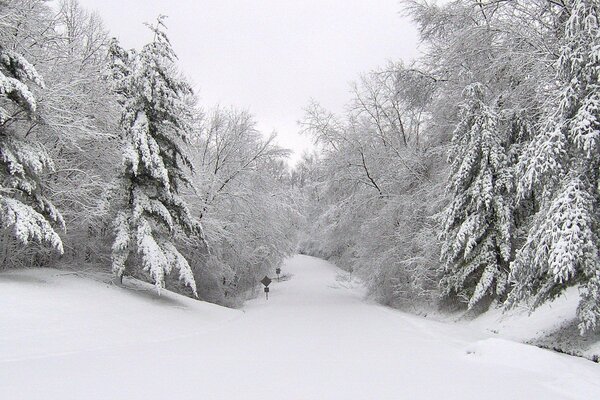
(553, 325)
(67, 337)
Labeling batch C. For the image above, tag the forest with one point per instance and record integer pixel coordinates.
(466, 180)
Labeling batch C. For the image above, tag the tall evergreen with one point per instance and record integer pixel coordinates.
(155, 122)
(561, 168)
(25, 213)
(478, 222)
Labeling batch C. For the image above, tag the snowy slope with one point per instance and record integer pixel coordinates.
(48, 312)
(315, 338)
(553, 325)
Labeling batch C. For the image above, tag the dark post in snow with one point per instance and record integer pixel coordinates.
(278, 271)
(266, 281)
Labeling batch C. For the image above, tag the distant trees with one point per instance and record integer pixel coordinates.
(248, 213)
(371, 184)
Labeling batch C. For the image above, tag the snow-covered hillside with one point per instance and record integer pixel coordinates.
(553, 326)
(67, 337)
(48, 312)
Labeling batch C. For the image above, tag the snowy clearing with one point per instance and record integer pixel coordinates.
(67, 337)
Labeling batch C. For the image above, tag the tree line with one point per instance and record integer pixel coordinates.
(108, 161)
(470, 177)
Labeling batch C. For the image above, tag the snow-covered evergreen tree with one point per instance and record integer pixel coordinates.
(561, 170)
(477, 224)
(155, 122)
(24, 211)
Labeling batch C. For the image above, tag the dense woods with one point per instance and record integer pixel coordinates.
(108, 162)
(466, 179)
(470, 177)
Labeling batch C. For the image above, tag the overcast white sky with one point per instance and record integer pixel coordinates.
(270, 56)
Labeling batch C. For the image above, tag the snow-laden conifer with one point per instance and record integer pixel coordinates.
(155, 122)
(477, 224)
(561, 170)
(24, 211)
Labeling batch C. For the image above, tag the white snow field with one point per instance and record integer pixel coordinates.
(66, 337)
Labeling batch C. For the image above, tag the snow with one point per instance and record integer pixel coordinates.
(27, 225)
(63, 336)
(521, 325)
(552, 324)
(46, 313)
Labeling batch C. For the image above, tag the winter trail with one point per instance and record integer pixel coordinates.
(315, 338)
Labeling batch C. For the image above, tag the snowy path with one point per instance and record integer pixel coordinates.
(314, 339)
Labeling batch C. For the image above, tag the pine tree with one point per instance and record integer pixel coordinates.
(155, 122)
(561, 168)
(477, 224)
(24, 211)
